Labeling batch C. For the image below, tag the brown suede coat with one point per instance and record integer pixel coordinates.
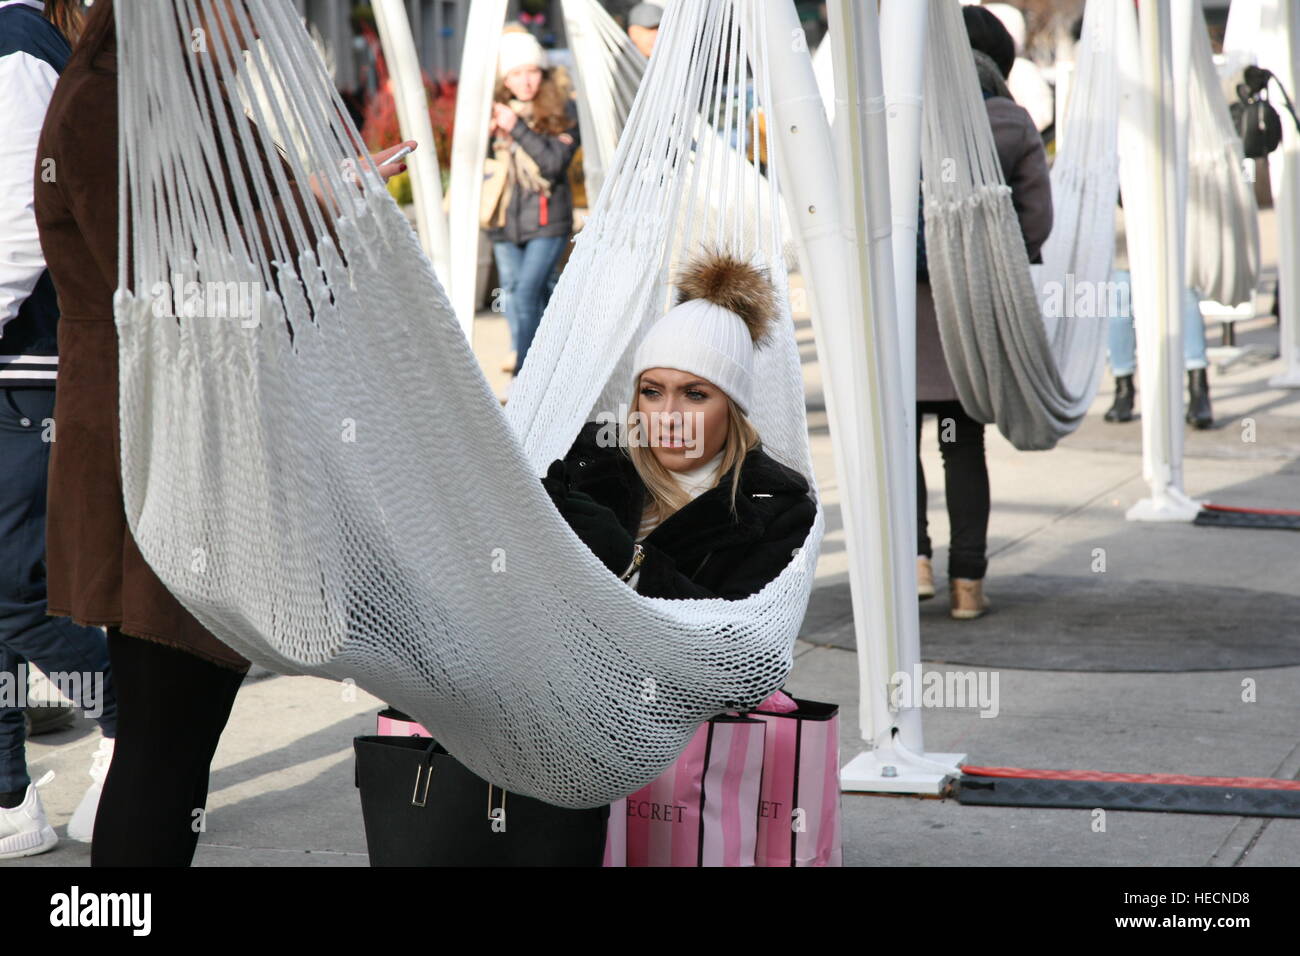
(96, 574)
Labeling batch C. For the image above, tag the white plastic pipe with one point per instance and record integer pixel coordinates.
(413, 116)
(478, 74)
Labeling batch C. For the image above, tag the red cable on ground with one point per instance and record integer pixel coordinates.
(1256, 783)
(1250, 511)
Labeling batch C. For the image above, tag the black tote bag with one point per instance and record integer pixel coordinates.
(422, 807)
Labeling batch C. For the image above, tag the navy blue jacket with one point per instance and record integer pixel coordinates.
(32, 54)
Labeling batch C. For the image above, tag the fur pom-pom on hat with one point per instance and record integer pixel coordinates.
(733, 284)
(725, 307)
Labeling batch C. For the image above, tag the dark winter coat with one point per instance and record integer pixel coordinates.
(702, 551)
(553, 156)
(1024, 166)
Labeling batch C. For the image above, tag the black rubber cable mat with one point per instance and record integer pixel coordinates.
(1220, 516)
(1109, 795)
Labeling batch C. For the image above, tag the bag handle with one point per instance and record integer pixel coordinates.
(424, 769)
(490, 810)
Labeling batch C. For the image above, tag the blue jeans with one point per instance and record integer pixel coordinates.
(525, 271)
(1122, 341)
(70, 654)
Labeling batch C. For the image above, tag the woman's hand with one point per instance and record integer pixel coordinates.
(381, 158)
(504, 117)
(599, 530)
(556, 483)
(350, 167)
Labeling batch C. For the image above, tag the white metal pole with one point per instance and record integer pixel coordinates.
(1153, 218)
(593, 80)
(478, 73)
(898, 345)
(805, 160)
(1286, 200)
(413, 116)
(840, 214)
(903, 26)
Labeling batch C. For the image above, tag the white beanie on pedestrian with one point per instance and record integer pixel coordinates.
(519, 49)
(725, 306)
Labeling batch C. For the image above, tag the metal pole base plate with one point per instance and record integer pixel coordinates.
(883, 771)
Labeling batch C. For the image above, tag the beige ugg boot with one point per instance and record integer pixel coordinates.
(968, 600)
(924, 578)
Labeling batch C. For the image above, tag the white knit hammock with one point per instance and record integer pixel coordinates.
(1033, 372)
(333, 489)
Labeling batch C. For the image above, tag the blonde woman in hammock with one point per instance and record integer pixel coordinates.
(690, 505)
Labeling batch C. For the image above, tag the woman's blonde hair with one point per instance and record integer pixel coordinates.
(66, 15)
(665, 496)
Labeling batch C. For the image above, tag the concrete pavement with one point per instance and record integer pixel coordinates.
(282, 788)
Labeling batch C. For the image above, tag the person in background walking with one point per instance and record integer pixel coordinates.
(961, 438)
(534, 129)
(34, 48)
(1121, 350)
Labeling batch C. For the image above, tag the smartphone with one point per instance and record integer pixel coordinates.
(400, 155)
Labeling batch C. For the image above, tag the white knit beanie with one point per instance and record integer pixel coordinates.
(519, 49)
(725, 307)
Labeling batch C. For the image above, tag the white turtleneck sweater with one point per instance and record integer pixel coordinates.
(694, 482)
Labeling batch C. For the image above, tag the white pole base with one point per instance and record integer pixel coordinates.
(1285, 380)
(1169, 505)
(866, 773)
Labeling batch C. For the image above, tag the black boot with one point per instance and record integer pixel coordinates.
(1198, 400)
(1122, 409)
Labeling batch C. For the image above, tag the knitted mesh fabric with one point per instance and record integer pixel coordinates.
(330, 485)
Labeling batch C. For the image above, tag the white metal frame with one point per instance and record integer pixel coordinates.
(413, 117)
(1153, 160)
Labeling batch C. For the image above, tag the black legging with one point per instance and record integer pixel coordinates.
(966, 485)
(171, 709)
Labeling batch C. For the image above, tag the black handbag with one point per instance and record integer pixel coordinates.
(422, 807)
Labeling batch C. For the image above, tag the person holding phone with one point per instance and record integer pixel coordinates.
(534, 132)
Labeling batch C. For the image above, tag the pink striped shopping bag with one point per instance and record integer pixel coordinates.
(799, 808)
(702, 810)
(394, 723)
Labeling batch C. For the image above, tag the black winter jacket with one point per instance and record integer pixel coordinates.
(553, 157)
(702, 551)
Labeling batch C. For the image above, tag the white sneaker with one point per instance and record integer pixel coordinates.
(24, 831)
(82, 825)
